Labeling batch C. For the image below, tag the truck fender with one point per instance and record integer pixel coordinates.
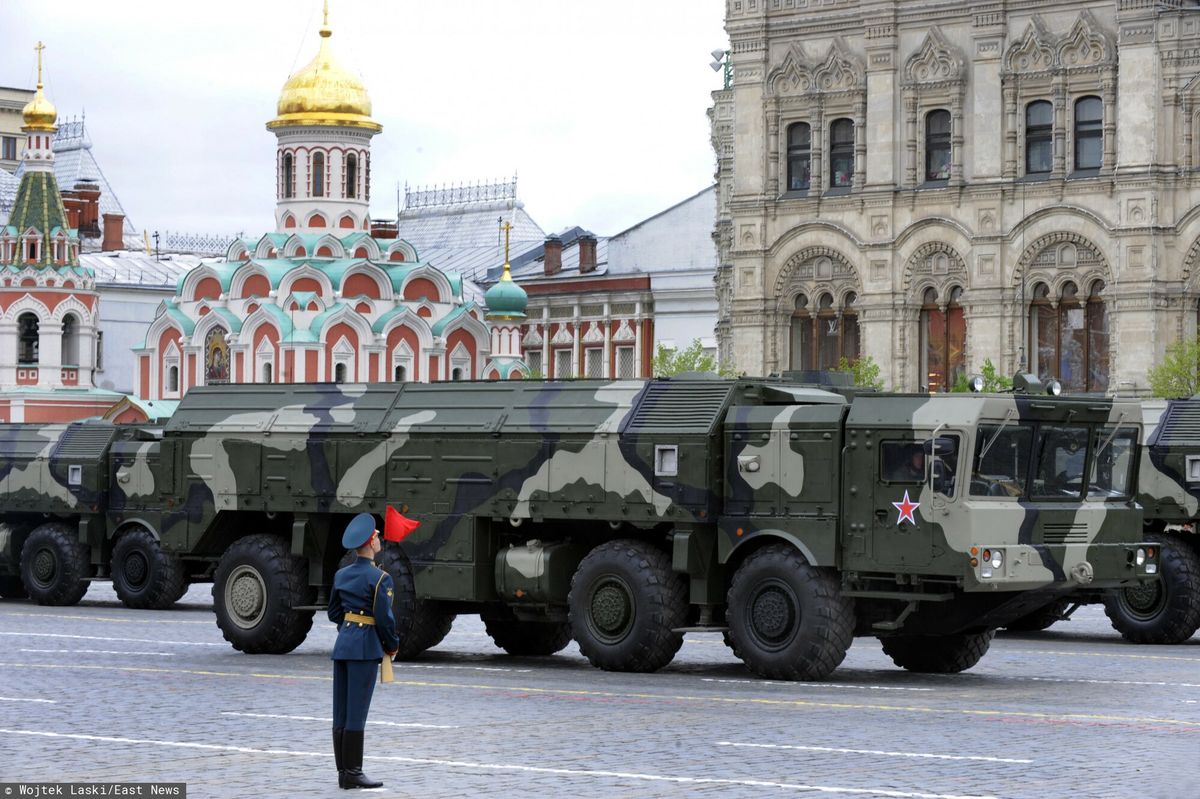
(129, 524)
(761, 538)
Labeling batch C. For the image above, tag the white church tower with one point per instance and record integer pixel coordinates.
(323, 161)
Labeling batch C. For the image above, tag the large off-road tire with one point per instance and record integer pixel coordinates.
(625, 605)
(54, 565)
(144, 574)
(1167, 610)
(11, 587)
(529, 638)
(937, 654)
(1040, 619)
(420, 624)
(256, 588)
(787, 619)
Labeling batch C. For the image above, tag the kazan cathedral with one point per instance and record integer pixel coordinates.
(324, 298)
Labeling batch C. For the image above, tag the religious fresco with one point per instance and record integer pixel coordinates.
(216, 357)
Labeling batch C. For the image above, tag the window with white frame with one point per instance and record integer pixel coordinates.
(564, 364)
(626, 367)
(594, 362)
(533, 358)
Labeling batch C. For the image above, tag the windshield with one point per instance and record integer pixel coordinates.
(1001, 461)
(1112, 464)
(1061, 454)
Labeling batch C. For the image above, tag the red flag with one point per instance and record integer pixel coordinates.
(396, 526)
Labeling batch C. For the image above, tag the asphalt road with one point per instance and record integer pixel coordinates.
(101, 693)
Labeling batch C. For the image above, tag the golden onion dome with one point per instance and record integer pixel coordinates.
(39, 113)
(323, 93)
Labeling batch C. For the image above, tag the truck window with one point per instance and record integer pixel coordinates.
(1001, 461)
(902, 462)
(1112, 464)
(1061, 456)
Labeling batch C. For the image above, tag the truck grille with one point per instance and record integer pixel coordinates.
(84, 442)
(1181, 425)
(680, 407)
(1065, 534)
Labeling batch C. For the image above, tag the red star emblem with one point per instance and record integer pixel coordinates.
(906, 508)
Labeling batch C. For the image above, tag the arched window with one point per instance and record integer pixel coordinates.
(937, 145)
(318, 175)
(351, 175)
(1089, 133)
(27, 339)
(456, 373)
(799, 157)
(173, 379)
(1069, 340)
(841, 153)
(1039, 137)
(822, 337)
(266, 373)
(289, 175)
(943, 341)
(401, 374)
(70, 340)
(339, 373)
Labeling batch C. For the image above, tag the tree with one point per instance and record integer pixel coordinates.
(864, 370)
(993, 381)
(1179, 373)
(669, 362)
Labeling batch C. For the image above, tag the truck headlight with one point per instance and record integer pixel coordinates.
(997, 559)
(1140, 557)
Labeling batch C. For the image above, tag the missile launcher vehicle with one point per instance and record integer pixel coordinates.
(620, 514)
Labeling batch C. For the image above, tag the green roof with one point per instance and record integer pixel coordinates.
(39, 206)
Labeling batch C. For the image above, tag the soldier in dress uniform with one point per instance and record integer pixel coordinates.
(361, 606)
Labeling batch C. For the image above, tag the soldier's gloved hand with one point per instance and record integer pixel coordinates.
(389, 654)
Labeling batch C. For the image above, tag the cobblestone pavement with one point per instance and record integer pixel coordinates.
(98, 692)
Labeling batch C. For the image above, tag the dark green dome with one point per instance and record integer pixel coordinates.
(506, 299)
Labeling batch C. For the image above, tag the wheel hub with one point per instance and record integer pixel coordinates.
(246, 597)
(611, 610)
(44, 566)
(774, 615)
(1143, 600)
(136, 569)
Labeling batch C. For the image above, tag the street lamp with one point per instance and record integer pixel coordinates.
(721, 62)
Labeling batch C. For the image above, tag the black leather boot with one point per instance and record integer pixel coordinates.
(337, 753)
(352, 757)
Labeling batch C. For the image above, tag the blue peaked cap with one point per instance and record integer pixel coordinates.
(358, 531)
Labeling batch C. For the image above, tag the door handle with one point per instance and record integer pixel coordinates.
(881, 514)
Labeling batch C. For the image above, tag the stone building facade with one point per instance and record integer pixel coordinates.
(935, 184)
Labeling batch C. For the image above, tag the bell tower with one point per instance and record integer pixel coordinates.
(323, 127)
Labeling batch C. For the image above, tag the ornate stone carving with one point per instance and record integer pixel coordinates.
(1086, 45)
(1062, 250)
(1033, 52)
(936, 61)
(811, 265)
(838, 71)
(935, 259)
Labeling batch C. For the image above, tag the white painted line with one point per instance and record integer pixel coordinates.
(836, 685)
(131, 619)
(319, 718)
(562, 772)
(881, 753)
(125, 640)
(1062, 653)
(96, 652)
(23, 699)
(1114, 682)
(459, 668)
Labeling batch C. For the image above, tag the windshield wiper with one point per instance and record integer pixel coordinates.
(1007, 418)
(1112, 435)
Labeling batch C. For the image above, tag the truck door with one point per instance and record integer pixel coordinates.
(884, 482)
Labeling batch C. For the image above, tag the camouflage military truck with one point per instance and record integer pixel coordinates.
(621, 514)
(1166, 611)
(69, 513)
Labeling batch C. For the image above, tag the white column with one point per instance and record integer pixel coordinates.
(607, 359)
(637, 339)
(49, 354)
(8, 354)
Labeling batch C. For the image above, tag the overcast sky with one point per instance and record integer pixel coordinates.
(598, 107)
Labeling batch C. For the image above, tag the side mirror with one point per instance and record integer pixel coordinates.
(943, 445)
